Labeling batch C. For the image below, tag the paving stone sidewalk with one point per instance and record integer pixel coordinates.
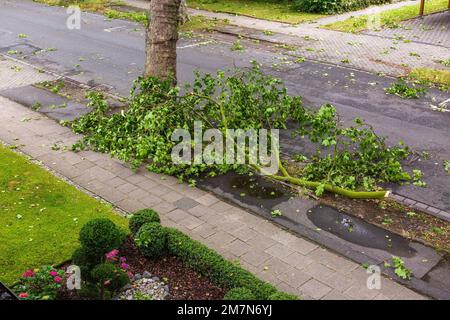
(291, 263)
(368, 51)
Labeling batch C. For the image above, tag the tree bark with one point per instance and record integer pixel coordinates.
(161, 39)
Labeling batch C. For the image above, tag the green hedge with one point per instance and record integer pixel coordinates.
(239, 294)
(220, 271)
(335, 6)
(141, 217)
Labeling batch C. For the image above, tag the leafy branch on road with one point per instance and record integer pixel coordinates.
(349, 160)
(405, 91)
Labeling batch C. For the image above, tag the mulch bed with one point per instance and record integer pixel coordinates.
(184, 283)
(392, 216)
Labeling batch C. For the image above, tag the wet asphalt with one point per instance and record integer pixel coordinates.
(111, 53)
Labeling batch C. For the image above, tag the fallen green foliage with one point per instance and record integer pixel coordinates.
(400, 269)
(347, 159)
(405, 91)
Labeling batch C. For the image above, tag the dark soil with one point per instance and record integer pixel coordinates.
(184, 283)
(4, 294)
(390, 215)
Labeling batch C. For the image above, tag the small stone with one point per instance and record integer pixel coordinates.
(166, 288)
(137, 276)
(147, 275)
(155, 279)
(127, 287)
(5, 296)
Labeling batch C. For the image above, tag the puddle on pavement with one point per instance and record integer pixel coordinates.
(345, 234)
(359, 232)
(247, 191)
(254, 191)
(254, 187)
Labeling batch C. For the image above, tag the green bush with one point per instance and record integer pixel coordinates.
(151, 239)
(100, 236)
(282, 296)
(212, 265)
(109, 277)
(88, 291)
(334, 6)
(85, 262)
(141, 217)
(239, 294)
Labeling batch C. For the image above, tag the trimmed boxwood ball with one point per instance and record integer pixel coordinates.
(100, 236)
(141, 217)
(239, 294)
(151, 239)
(282, 296)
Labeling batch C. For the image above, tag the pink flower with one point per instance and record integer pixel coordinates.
(122, 259)
(124, 266)
(130, 275)
(53, 273)
(23, 295)
(58, 279)
(112, 255)
(28, 274)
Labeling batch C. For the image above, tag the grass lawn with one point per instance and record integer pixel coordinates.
(389, 18)
(196, 23)
(264, 9)
(428, 76)
(40, 216)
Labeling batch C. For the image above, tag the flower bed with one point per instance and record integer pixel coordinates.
(154, 263)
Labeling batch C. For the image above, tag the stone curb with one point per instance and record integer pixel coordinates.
(423, 207)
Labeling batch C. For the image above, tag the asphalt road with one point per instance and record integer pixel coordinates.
(111, 52)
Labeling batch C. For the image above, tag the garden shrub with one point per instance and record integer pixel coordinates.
(334, 6)
(151, 239)
(282, 296)
(109, 277)
(212, 265)
(89, 291)
(100, 236)
(141, 217)
(86, 262)
(239, 294)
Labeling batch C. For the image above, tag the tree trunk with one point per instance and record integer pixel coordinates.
(161, 39)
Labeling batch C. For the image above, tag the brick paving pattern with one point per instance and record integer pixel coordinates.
(374, 53)
(431, 29)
